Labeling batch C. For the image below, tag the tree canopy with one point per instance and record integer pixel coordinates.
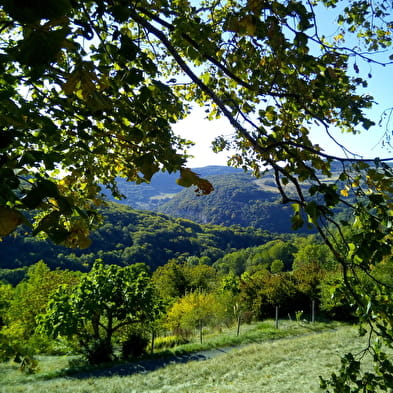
(107, 299)
(89, 91)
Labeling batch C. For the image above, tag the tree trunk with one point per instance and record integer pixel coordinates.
(276, 321)
(239, 319)
(153, 336)
(313, 311)
(200, 331)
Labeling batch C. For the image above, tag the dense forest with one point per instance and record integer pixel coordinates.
(236, 200)
(129, 236)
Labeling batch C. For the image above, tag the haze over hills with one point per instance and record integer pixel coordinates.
(238, 199)
(163, 187)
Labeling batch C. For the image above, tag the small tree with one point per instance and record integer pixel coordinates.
(231, 299)
(309, 276)
(264, 292)
(107, 299)
(193, 310)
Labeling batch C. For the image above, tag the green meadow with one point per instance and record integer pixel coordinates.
(271, 364)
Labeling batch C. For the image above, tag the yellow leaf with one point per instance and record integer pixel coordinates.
(10, 219)
(344, 192)
(189, 178)
(338, 37)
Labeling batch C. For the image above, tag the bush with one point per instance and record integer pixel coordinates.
(247, 317)
(169, 342)
(134, 346)
(98, 352)
(18, 354)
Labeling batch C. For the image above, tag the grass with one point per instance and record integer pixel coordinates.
(288, 365)
(257, 332)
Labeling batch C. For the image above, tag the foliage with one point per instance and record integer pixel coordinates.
(257, 257)
(336, 306)
(27, 300)
(277, 266)
(176, 279)
(263, 291)
(73, 93)
(89, 90)
(130, 236)
(107, 299)
(314, 252)
(192, 311)
(6, 296)
(134, 345)
(18, 354)
(169, 342)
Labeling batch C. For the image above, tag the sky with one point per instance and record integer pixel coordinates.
(367, 144)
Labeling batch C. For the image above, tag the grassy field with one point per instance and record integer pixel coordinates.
(291, 364)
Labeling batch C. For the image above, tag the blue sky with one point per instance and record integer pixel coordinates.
(367, 144)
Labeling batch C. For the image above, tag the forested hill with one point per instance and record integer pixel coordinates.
(238, 199)
(163, 186)
(129, 236)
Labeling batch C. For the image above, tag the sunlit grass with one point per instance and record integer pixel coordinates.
(256, 332)
(287, 365)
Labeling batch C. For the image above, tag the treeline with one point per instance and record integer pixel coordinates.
(126, 237)
(112, 306)
(114, 311)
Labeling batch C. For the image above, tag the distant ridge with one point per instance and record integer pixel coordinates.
(163, 186)
(238, 199)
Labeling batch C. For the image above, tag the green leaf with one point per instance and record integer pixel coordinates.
(297, 221)
(312, 212)
(40, 48)
(29, 12)
(43, 189)
(128, 49)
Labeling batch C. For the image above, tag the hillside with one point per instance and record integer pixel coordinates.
(238, 199)
(241, 212)
(129, 236)
(162, 187)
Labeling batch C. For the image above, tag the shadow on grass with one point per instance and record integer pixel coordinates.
(145, 366)
(166, 359)
(184, 355)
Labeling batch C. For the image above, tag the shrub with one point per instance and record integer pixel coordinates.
(99, 351)
(169, 342)
(134, 346)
